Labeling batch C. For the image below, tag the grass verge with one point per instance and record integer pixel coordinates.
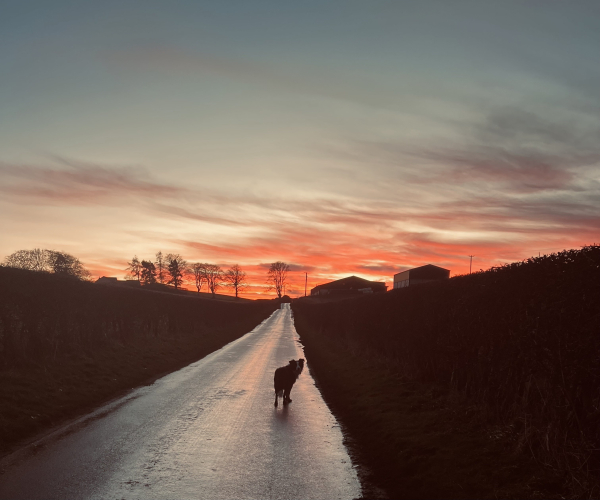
(35, 397)
(418, 440)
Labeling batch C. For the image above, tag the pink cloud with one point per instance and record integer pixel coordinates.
(79, 183)
(327, 237)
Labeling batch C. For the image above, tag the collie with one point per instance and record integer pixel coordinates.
(285, 377)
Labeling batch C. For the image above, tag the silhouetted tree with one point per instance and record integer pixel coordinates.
(33, 260)
(235, 278)
(277, 277)
(48, 261)
(161, 268)
(176, 269)
(66, 265)
(213, 275)
(148, 272)
(197, 270)
(135, 269)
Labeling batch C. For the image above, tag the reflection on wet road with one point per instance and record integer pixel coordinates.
(207, 431)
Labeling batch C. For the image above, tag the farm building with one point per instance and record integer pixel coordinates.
(348, 286)
(423, 274)
(109, 280)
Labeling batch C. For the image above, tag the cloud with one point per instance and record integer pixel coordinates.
(523, 173)
(79, 183)
(195, 215)
(508, 150)
(498, 210)
(328, 235)
(380, 269)
(522, 152)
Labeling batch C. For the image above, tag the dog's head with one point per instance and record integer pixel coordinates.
(300, 366)
(297, 366)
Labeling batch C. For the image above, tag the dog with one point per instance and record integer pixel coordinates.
(285, 377)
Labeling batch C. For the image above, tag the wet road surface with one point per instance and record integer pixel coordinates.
(207, 431)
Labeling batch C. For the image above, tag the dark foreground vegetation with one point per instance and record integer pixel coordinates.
(67, 345)
(484, 385)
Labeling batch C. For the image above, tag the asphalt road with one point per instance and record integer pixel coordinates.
(207, 431)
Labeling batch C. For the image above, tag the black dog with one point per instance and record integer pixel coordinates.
(285, 378)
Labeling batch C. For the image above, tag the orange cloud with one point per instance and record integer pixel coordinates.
(326, 236)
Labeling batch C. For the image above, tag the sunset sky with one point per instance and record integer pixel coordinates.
(343, 137)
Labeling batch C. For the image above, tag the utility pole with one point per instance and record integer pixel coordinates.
(305, 282)
(470, 263)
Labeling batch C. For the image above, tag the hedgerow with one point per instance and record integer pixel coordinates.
(522, 340)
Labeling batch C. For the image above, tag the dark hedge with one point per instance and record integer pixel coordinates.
(43, 316)
(67, 346)
(522, 339)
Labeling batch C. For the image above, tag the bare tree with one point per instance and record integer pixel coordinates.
(48, 261)
(135, 269)
(176, 269)
(161, 267)
(277, 277)
(148, 272)
(235, 278)
(33, 260)
(197, 270)
(213, 275)
(66, 265)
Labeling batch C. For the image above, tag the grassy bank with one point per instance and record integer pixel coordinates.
(517, 347)
(416, 440)
(68, 346)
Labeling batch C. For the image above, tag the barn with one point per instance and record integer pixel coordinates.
(109, 280)
(349, 286)
(418, 275)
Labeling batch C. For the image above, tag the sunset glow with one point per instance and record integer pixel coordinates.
(338, 139)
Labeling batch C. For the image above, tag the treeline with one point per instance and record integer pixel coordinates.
(172, 269)
(521, 341)
(44, 317)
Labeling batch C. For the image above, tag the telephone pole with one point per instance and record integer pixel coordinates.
(305, 282)
(470, 263)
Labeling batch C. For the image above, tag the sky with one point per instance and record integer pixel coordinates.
(342, 137)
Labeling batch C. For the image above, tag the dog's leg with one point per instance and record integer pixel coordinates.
(286, 397)
(276, 398)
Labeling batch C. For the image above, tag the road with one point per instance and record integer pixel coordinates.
(209, 430)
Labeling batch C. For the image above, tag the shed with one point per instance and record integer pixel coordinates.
(418, 275)
(348, 286)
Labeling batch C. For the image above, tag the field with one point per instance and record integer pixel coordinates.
(67, 346)
(512, 353)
